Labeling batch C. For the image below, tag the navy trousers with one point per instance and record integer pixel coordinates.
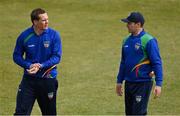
(31, 89)
(137, 97)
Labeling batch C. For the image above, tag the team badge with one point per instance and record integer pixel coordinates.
(50, 95)
(46, 44)
(138, 99)
(137, 46)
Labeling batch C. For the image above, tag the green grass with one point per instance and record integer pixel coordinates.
(91, 37)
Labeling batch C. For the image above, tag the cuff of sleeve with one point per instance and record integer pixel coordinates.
(119, 81)
(28, 65)
(159, 83)
(42, 65)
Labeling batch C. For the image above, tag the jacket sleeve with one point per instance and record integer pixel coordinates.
(56, 52)
(120, 76)
(19, 52)
(155, 59)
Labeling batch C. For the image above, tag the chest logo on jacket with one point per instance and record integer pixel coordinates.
(46, 44)
(126, 46)
(137, 46)
(31, 45)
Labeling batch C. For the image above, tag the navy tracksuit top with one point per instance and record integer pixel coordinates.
(45, 49)
(140, 55)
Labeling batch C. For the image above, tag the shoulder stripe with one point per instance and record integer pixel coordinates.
(145, 38)
(28, 37)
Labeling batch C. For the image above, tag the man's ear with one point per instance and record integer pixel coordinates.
(35, 22)
(139, 24)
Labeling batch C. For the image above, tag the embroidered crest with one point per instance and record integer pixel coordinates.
(137, 46)
(50, 95)
(138, 99)
(46, 44)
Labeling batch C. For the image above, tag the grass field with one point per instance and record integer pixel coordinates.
(91, 37)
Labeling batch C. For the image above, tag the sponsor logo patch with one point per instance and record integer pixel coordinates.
(31, 45)
(126, 46)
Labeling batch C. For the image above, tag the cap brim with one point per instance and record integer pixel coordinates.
(125, 20)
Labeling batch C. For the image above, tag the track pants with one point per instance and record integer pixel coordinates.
(42, 89)
(137, 97)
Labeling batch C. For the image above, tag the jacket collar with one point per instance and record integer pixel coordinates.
(139, 35)
(32, 30)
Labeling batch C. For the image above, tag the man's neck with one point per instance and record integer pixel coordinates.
(137, 32)
(37, 30)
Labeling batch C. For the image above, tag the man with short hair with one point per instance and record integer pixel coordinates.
(42, 48)
(139, 60)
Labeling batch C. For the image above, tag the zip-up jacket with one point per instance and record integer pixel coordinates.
(45, 49)
(140, 55)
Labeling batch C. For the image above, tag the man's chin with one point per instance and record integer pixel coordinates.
(45, 28)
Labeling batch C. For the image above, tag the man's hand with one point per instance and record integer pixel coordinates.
(38, 65)
(34, 68)
(157, 92)
(119, 89)
(151, 74)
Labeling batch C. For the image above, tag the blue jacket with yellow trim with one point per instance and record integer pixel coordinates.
(45, 49)
(140, 55)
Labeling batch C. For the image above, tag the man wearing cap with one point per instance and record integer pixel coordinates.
(140, 57)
